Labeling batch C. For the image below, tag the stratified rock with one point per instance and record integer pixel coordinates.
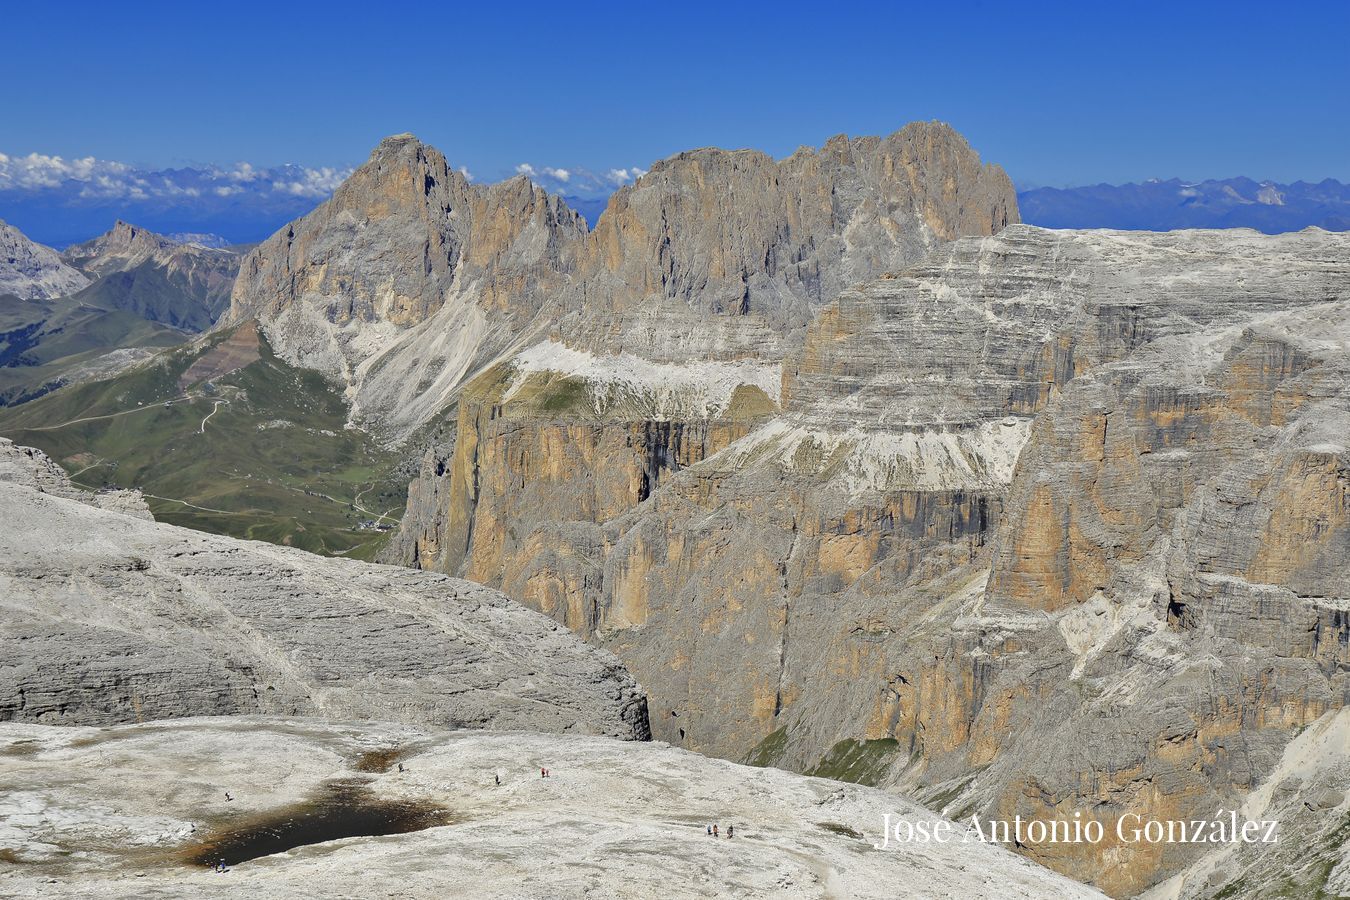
(1054, 520)
(84, 812)
(1304, 796)
(110, 619)
(31, 468)
(31, 271)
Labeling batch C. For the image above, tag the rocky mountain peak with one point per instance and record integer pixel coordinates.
(32, 271)
(725, 251)
(126, 245)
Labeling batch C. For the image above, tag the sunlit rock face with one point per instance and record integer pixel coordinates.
(829, 449)
(32, 271)
(1051, 518)
(410, 280)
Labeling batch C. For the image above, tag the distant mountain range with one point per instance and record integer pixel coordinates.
(1166, 205)
(61, 201)
(101, 305)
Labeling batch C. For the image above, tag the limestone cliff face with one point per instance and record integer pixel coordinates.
(410, 281)
(732, 249)
(1051, 521)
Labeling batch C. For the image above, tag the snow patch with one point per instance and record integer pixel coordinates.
(862, 461)
(699, 389)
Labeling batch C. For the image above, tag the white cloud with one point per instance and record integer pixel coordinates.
(316, 183)
(37, 171)
(621, 177)
(90, 178)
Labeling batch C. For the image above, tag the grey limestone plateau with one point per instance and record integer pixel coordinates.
(110, 618)
(111, 812)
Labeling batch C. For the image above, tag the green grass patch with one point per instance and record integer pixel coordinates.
(275, 463)
(769, 752)
(860, 762)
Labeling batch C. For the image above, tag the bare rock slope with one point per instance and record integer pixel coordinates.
(107, 618)
(183, 285)
(31, 271)
(120, 812)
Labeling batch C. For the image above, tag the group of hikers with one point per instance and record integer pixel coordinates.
(713, 832)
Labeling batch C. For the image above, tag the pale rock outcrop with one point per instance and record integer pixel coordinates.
(31, 468)
(108, 618)
(111, 813)
(31, 271)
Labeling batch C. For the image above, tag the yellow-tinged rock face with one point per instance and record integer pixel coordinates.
(1017, 516)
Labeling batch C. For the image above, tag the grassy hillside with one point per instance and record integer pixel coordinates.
(41, 342)
(260, 452)
(160, 295)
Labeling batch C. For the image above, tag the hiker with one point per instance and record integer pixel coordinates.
(543, 773)
(715, 834)
(731, 829)
(400, 767)
(498, 778)
(220, 866)
(709, 831)
(228, 798)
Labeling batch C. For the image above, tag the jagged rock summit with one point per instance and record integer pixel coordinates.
(184, 285)
(109, 618)
(31, 271)
(411, 280)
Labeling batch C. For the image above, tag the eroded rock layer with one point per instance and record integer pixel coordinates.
(1048, 523)
(109, 618)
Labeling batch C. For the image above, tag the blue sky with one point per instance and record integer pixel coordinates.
(1059, 93)
(101, 99)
